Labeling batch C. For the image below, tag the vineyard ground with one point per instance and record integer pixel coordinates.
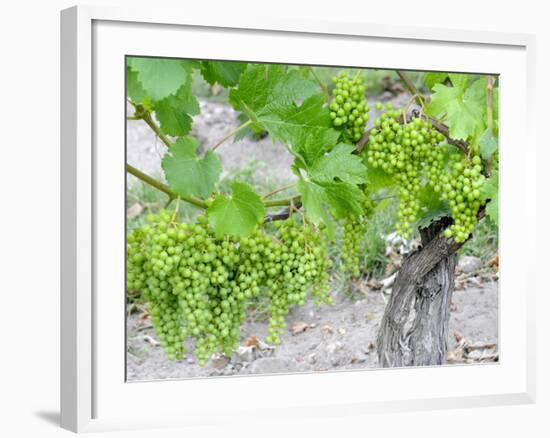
(337, 337)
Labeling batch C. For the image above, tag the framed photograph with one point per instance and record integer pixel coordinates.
(254, 209)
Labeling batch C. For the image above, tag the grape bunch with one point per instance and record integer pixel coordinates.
(197, 285)
(404, 151)
(353, 239)
(301, 261)
(349, 108)
(411, 153)
(461, 186)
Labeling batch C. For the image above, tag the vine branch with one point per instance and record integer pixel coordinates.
(141, 113)
(413, 91)
(280, 189)
(163, 187)
(230, 134)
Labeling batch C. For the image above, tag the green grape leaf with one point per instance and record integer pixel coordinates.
(344, 199)
(238, 214)
(459, 81)
(188, 175)
(339, 164)
(377, 179)
(341, 199)
(269, 96)
(461, 108)
(161, 77)
(492, 210)
(173, 112)
(134, 89)
(263, 88)
(313, 143)
(314, 201)
(431, 216)
(224, 73)
(432, 78)
(432, 207)
(489, 189)
(488, 144)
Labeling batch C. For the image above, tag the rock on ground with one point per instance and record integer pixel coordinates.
(469, 264)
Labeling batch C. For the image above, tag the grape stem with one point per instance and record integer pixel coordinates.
(230, 134)
(280, 189)
(163, 187)
(413, 91)
(142, 114)
(321, 84)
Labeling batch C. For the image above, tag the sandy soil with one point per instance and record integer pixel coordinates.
(337, 337)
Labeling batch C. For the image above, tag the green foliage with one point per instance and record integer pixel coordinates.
(340, 164)
(224, 73)
(174, 112)
(461, 106)
(488, 144)
(238, 214)
(160, 78)
(186, 173)
(433, 78)
(489, 191)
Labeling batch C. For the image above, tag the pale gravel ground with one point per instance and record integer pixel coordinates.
(349, 345)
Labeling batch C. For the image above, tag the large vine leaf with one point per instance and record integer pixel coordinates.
(264, 88)
(314, 201)
(174, 112)
(462, 107)
(268, 95)
(344, 199)
(339, 164)
(238, 214)
(339, 198)
(188, 175)
(225, 73)
(161, 77)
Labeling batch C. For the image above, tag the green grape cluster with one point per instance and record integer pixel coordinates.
(349, 108)
(404, 151)
(197, 285)
(460, 186)
(411, 154)
(353, 239)
(301, 260)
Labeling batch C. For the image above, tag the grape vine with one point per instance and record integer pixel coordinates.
(199, 277)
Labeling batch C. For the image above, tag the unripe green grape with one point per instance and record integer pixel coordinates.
(349, 99)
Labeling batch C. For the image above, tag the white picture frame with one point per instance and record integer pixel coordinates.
(94, 394)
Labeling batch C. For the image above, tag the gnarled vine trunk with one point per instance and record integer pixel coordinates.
(415, 324)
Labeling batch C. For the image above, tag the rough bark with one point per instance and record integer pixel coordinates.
(415, 323)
